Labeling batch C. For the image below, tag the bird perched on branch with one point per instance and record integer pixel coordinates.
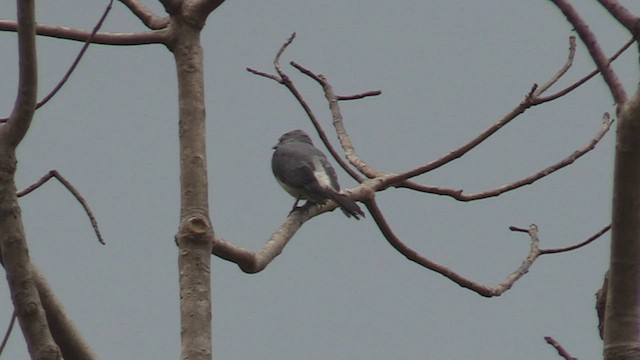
(304, 172)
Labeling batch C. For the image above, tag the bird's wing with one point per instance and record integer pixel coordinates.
(331, 173)
(302, 166)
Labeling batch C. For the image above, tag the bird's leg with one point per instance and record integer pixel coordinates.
(303, 207)
(295, 206)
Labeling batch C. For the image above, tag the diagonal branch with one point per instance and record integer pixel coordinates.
(624, 16)
(459, 152)
(151, 20)
(253, 262)
(284, 79)
(7, 333)
(337, 118)
(561, 350)
(459, 195)
(67, 336)
(575, 85)
(464, 282)
(589, 39)
(572, 53)
(75, 62)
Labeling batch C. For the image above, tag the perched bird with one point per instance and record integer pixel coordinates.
(304, 172)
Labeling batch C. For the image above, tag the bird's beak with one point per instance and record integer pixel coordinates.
(274, 146)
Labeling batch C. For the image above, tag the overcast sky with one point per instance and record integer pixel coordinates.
(447, 70)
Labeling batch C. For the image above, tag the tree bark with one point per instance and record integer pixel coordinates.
(622, 315)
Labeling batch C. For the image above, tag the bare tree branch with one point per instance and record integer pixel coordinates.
(575, 85)
(624, 16)
(459, 195)
(67, 336)
(579, 245)
(338, 123)
(561, 351)
(359, 96)
(459, 152)
(401, 180)
(151, 20)
(589, 39)
(75, 62)
(24, 107)
(208, 6)
(7, 333)
(73, 191)
(253, 262)
(284, 79)
(13, 244)
(67, 33)
(562, 71)
(464, 282)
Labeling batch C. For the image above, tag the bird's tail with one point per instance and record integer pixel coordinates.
(348, 206)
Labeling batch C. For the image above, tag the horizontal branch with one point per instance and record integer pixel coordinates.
(67, 33)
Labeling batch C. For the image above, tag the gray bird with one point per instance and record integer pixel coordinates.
(304, 172)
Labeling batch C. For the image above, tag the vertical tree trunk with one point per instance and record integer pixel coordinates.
(622, 316)
(195, 235)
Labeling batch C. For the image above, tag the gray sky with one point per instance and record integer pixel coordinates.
(447, 70)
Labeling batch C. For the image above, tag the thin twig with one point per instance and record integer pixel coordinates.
(8, 332)
(76, 61)
(359, 96)
(575, 85)
(458, 194)
(596, 52)
(145, 15)
(622, 15)
(284, 79)
(561, 351)
(579, 245)
(459, 152)
(338, 123)
(480, 289)
(73, 191)
(264, 74)
(562, 71)
(276, 61)
(78, 57)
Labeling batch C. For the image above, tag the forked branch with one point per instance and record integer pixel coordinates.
(73, 191)
(151, 20)
(458, 194)
(596, 52)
